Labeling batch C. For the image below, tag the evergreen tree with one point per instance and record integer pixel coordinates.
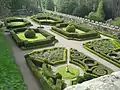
(99, 14)
(49, 5)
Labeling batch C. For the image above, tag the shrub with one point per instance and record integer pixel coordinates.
(70, 28)
(58, 76)
(80, 79)
(29, 33)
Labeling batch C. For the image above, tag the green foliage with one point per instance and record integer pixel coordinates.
(116, 21)
(10, 75)
(81, 11)
(91, 67)
(66, 6)
(58, 76)
(16, 22)
(106, 49)
(50, 5)
(89, 33)
(29, 33)
(28, 44)
(47, 18)
(52, 56)
(80, 79)
(99, 14)
(70, 28)
(45, 75)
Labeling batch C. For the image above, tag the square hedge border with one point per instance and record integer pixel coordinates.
(90, 34)
(24, 44)
(16, 19)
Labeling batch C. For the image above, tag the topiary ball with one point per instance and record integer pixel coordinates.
(29, 33)
(70, 28)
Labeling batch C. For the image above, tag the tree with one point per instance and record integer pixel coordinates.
(50, 5)
(99, 14)
(66, 6)
(81, 11)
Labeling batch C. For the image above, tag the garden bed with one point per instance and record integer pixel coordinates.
(16, 22)
(58, 55)
(106, 49)
(79, 33)
(41, 38)
(91, 67)
(47, 19)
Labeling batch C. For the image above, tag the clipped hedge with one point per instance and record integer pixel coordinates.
(89, 34)
(91, 67)
(44, 75)
(16, 19)
(24, 44)
(105, 49)
(55, 56)
(43, 18)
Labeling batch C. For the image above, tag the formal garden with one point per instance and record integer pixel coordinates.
(54, 63)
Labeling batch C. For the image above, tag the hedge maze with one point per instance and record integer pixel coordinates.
(106, 49)
(47, 19)
(57, 56)
(16, 22)
(28, 38)
(74, 31)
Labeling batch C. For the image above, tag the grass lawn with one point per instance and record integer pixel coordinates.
(73, 72)
(47, 20)
(38, 37)
(76, 31)
(10, 76)
(15, 23)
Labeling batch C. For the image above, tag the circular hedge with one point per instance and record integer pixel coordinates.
(70, 28)
(101, 70)
(29, 33)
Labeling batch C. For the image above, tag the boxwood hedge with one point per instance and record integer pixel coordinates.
(106, 49)
(54, 56)
(47, 18)
(25, 44)
(14, 20)
(44, 73)
(89, 34)
(91, 67)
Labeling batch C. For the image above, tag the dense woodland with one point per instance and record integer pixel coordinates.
(93, 9)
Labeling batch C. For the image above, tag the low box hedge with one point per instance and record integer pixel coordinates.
(24, 44)
(91, 67)
(103, 48)
(44, 79)
(89, 34)
(16, 19)
(43, 17)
